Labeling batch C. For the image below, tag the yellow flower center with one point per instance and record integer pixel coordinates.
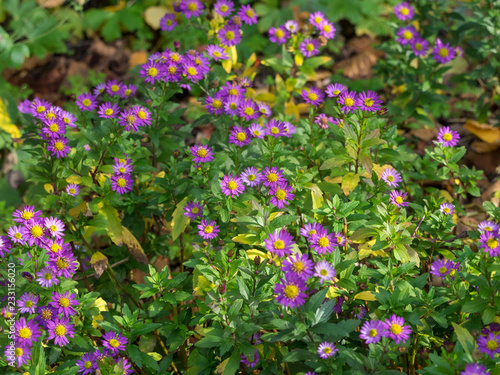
(446, 210)
(53, 228)
(54, 128)
(195, 210)
(72, 191)
(399, 200)
(47, 276)
(58, 146)
(36, 231)
(108, 112)
(223, 8)
(60, 330)
(272, 177)
(443, 52)
(115, 88)
(312, 231)
(418, 46)
(280, 194)
(318, 19)
(18, 352)
(64, 302)
(492, 242)
(142, 115)
(323, 272)
(404, 11)
(336, 92)
(368, 102)
(492, 345)
(326, 28)
(87, 364)
(217, 54)
(27, 215)
(396, 328)
(62, 265)
(256, 133)
(251, 177)
(279, 33)
(447, 137)
(175, 57)
(348, 102)
(323, 242)
(327, 350)
(191, 71)
(390, 178)
(172, 69)
(208, 229)
(8, 314)
(232, 185)
(128, 92)
(275, 130)
(55, 248)
(86, 102)
(40, 109)
(229, 35)
(291, 291)
(121, 182)
(18, 236)
(233, 92)
(192, 7)
(298, 267)
(123, 161)
(340, 239)
(29, 303)
(249, 13)
(407, 35)
(114, 343)
(201, 152)
(241, 136)
(24, 333)
(443, 270)
(309, 47)
(373, 332)
(216, 104)
(312, 96)
(279, 244)
(488, 229)
(152, 72)
(248, 111)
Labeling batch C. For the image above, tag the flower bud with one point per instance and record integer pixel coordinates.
(176, 153)
(221, 243)
(322, 40)
(401, 349)
(230, 253)
(214, 84)
(236, 20)
(256, 260)
(205, 243)
(177, 45)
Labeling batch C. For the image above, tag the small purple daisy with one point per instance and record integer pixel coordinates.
(232, 186)
(279, 243)
(208, 230)
(371, 331)
(448, 137)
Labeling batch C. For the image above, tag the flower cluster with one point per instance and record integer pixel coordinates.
(113, 343)
(393, 327)
(122, 181)
(489, 239)
(489, 340)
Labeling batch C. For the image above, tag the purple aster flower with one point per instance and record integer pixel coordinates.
(314, 96)
(127, 367)
(5, 246)
(443, 267)
(359, 312)
(56, 246)
(404, 11)
(487, 226)
(231, 105)
(391, 177)
(292, 26)
(339, 122)
(99, 89)
(406, 35)
(489, 344)
(289, 129)
(39, 107)
(247, 15)
(122, 183)
(326, 349)
(340, 239)
(459, 51)
(8, 312)
(309, 47)
(447, 208)
(398, 197)
(323, 242)
(232, 89)
(281, 194)
(248, 362)
(64, 302)
(490, 243)
(299, 265)
(278, 35)
(239, 136)
(310, 229)
(86, 102)
(275, 128)
(114, 88)
(216, 52)
(108, 110)
(265, 109)
(87, 364)
(114, 342)
(59, 330)
(257, 131)
(47, 277)
(24, 106)
(369, 101)
(168, 22)
(26, 214)
(15, 235)
(251, 176)
(279, 243)
(420, 46)
(192, 8)
(58, 147)
(229, 36)
(21, 355)
(232, 186)
(64, 264)
(371, 331)
(290, 291)
(208, 230)
(248, 110)
(143, 115)
(395, 329)
(316, 18)
(151, 72)
(193, 210)
(53, 128)
(72, 189)
(215, 104)
(172, 72)
(130, 90)
(27, 303)
(202, 154)
(324, 271)
(475, 369)
(26, 332)
(192, 71)
(223, 7)
(348, 100)
(327, 30)
(322, 120)
(54, 226)
(448, 137)
(272, 176)
(34, 232)
(68, 118)
(443, 52)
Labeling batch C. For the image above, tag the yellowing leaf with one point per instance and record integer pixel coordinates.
(48, 188)
(333, 180)
(233, 54)
(266, 97)
(114, 222)
(227, 65)
(485, 132)
(275, 214)
(134, 247)
(349, 182)
(6, 122)
(153, 15)
(201, 284)
(252, 253)
(179, 220)
(245, 238)
(299, 59)
(333, 292)
(75, 211)
(365, 296)
(379, 169)
(74, 180)
(99, 262)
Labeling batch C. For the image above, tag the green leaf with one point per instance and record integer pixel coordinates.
(149, 362)
(114, 223)
(179, 220)
(464, 337)
(135, 355)
(334, 162)
(233, 364)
